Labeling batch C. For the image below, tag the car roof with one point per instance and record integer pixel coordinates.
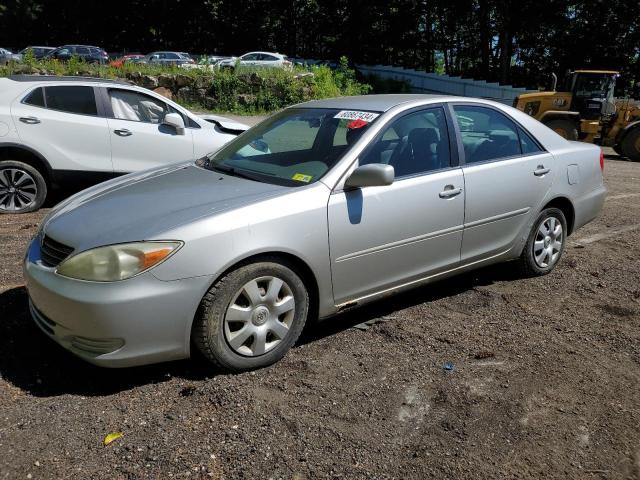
(268, 53)
(55, 78)
(378, 103)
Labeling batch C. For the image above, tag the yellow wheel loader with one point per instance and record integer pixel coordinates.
(587, 111)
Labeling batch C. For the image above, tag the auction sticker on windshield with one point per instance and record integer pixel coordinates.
(355, 115)
(300, 177)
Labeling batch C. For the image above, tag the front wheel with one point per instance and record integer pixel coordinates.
(22, 187)
(630, 145)
(565, 128)
(251, 317)
(545, 243)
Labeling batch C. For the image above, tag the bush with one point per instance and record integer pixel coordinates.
(241, 90)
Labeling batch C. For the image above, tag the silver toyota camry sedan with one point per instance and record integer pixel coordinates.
(322, 207)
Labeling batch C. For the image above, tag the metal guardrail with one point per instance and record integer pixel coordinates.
(423, 82)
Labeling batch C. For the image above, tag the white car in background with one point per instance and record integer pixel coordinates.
(6, 56)
(258, 59)
(56, 131)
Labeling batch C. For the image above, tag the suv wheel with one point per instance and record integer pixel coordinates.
(251, 317)
(22, 187)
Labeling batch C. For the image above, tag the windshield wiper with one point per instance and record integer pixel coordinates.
(232, 171)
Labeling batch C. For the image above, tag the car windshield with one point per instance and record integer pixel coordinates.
(294, 147)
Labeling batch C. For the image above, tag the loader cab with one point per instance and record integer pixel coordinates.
(592, 93)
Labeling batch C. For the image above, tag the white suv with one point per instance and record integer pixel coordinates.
(62, 130)
(258, 59)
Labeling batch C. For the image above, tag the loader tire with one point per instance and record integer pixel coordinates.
(565, 128)
(630, 145)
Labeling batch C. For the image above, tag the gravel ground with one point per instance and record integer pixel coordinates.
(545, 382)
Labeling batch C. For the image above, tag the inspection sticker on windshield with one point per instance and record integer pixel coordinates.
(354, 115)
(302, 178)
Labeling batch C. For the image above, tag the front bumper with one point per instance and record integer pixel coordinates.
(117, 324)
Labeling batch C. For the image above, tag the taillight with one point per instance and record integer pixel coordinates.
(601, 161)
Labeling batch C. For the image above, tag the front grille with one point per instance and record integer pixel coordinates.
(52, 253)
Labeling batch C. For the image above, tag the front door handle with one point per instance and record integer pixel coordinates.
(540, 171)
(30, 120)
(450, 191)
(123, 132)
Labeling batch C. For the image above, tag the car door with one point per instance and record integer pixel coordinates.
(507, 175)
(383, 237)
(139, 140)
(64, 124)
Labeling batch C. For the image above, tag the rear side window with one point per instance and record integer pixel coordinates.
(486, 134)
(72, 99)
(35, 98)
(528, 144)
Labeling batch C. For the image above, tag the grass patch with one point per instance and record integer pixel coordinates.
(240, 90)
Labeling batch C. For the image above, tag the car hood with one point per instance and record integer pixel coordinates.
(142, 206)
(225, 123)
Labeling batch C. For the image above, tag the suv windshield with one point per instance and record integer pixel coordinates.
(294, 147)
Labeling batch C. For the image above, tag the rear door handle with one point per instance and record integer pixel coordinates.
(538, 172)
(123, 132)
(30, 120)
(450, 191)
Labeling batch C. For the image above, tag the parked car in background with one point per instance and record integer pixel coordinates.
(87, 53)
(206, 63)
(166, 58)
(38, 52)
(6, 56)
(259, 60)
(351, 200)
(129, 58)
(69, 130)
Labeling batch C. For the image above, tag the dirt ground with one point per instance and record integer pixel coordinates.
(545, 382)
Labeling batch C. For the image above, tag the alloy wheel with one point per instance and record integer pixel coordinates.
(260, 316)
(18, 189)
(548, 242)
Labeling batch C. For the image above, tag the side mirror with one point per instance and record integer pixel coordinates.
(176, 121)
(371, 175)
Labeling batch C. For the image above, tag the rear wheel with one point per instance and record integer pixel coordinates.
(545, 244)
(251, 317)
(22, 187)
(630, 145)
(563, 127)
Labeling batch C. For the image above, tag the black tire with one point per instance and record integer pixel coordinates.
(208, 333)
(563, 127)
(529, 266)
(618, 150)
(630, 145)
(37, 188)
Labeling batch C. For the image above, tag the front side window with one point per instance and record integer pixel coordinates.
(128, 105)
(413, 144)
(72, 99)
(294, 148)
(486, 134)
(82, 51)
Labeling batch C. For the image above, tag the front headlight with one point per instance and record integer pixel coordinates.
(117, 262)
